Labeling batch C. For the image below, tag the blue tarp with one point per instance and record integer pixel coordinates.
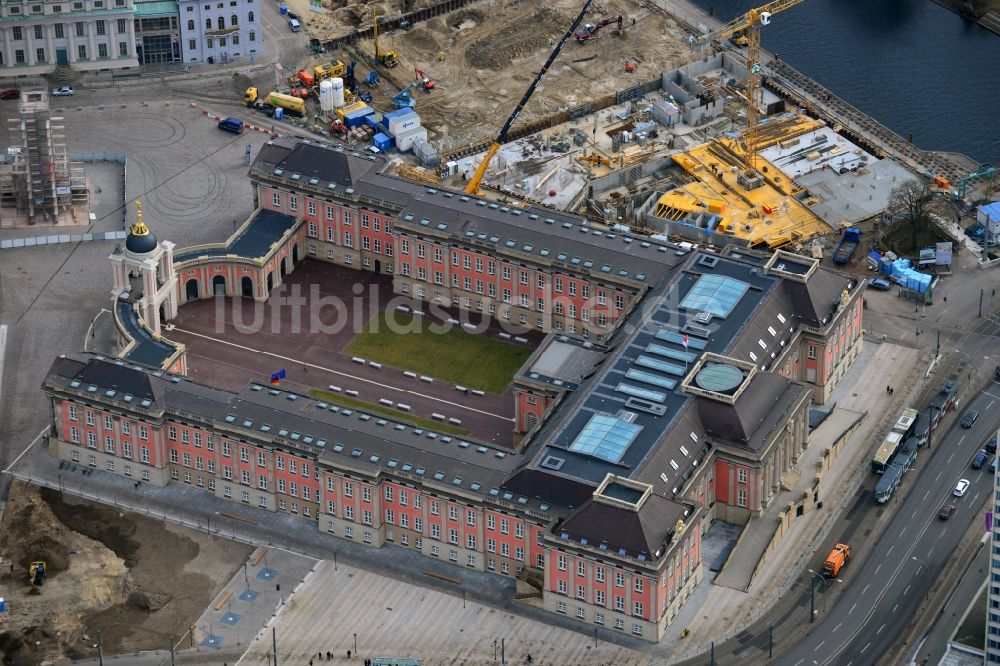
(902, 273)
(992, 211)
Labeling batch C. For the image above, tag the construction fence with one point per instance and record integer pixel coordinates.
(577, 112)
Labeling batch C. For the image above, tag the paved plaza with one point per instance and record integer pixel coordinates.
(393, 619)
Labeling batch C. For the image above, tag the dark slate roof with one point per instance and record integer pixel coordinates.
(329, 166)
(543, 235)
(738, 423)
(642, 532)
(345, 437)
(148, 349)
(106, 375)
(669, 444)
(815, 300)
(557, 489)
(254, 241)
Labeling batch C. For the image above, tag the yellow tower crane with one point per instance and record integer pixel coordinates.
(751, 23)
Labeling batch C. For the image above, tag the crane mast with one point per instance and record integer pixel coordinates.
(751, 23)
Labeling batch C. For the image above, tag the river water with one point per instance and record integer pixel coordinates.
(913, 65)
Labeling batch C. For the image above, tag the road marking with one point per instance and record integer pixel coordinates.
(838, 626)
(880, 629)
(821, 644)
(3, 352)
(937, 478)
(26, 449)
(894, 608)
(799, 662)
(867, 645)
(961, 440)
(867, 586)
(890, 550)
(344, 374)
(851, 612)
(929, 552)
(925, 498)
(991, 404)
(904, 592)
(952, 455)
(902, 531)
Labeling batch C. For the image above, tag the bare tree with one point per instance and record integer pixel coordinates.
(912, 198)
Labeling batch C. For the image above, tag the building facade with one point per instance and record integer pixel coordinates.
(219, 31)
(87, 35)
(695, 410)
(157, 32)
(993, 589)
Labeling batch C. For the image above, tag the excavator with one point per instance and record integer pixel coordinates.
(426, 83)
(475, 183)
(36, 574)
(387, 59)
(589, 31)
(403, 99)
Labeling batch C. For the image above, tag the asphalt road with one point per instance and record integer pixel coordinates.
(882, 588)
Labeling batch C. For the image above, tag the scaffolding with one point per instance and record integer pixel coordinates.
(37, 178)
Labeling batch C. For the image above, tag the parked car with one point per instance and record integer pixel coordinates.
(946, 511)
(879, 284)
(63, 91)
(991, 444)
(293, 15)
(980, 459)
(13, 93)
(970, 419)
(294, 25)
(960, 487)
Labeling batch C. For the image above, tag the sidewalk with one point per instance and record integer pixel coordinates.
(189, 506)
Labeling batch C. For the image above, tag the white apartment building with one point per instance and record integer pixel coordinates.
(219, 31)
(88, 35)
(993, 603)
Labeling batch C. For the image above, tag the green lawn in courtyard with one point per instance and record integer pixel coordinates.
(466, 359)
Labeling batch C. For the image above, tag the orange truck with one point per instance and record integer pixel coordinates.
(836, 560)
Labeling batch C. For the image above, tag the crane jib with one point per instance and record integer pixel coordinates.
(502, 136)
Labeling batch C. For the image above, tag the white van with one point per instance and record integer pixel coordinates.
(294, 25)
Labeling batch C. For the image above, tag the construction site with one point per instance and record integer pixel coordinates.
(75, 573)
(634, 120)
(39, 183)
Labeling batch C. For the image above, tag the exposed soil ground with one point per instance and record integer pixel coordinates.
(138, 582)
(492, 50)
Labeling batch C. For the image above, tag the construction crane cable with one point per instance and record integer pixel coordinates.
(477, 178)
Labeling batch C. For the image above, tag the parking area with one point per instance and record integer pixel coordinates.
(340, 608)
(185, 171)
(305, 327)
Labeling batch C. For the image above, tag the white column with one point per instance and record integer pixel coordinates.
(50, 49)
(91, 48)
(30, 48)
(70, 43)
(131, 38)
(8, 48)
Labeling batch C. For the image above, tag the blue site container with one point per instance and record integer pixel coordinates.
(397, 113)
(283, 9)
(356, 118)
(373, 120)
(383, 142)
(279, 113)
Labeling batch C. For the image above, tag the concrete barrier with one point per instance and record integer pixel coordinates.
(425, 378)
(478, 392)
(523, 341)
(455, 421)
(505, 336)
(462, 389)
(358, 360)
(400, 405)
(403, 308)
(334, 388)
(373, 364)
(411, 375)
(387, 403)
(353, 393)
(439, 417)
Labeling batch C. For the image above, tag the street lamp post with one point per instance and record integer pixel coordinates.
(355, 643)
(812, 591)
